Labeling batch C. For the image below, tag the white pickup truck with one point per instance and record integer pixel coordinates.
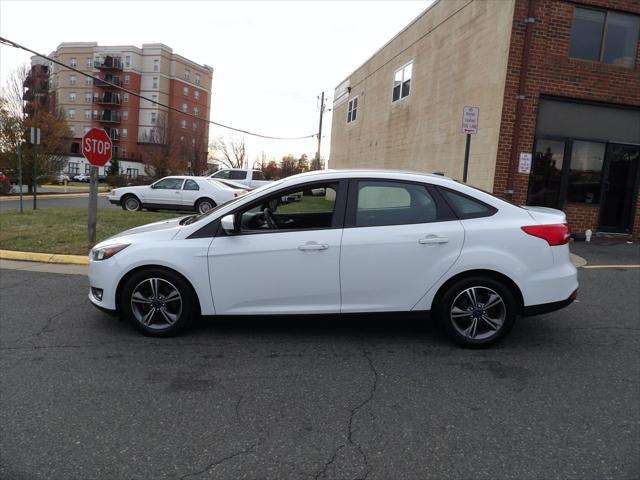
(250, 178)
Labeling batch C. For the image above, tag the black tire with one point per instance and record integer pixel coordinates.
(131, 203)
(205, 203)
(135, 311)
(458, 321)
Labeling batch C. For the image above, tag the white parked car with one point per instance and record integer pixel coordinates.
(82, 178)
(176, 193)
(250, 178)
(374, 241)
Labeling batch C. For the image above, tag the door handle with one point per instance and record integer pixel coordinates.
(310, 246)
(177, 193)
(432, 239)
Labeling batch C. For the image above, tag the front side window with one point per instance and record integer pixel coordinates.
(585, 172)
(168, 184)
(190, 185)
(402, 82)
(311, 207)
(603, 36)
(393, 203)
(352, 111)
(237, 175)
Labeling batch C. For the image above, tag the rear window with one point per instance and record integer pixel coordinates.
(465, 206)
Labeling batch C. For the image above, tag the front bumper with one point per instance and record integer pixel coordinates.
(104, 275)
(114, 200)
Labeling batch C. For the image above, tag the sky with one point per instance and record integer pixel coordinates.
(271, 59)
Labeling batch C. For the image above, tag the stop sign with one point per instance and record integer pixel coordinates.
(97, 147)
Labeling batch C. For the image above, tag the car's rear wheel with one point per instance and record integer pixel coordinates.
(158, 302)
(131, 203)
(204, 205)
(477, 311)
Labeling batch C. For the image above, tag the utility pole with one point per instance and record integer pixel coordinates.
(35, 141)
(320, 130)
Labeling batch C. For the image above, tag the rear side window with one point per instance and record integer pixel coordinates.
(257, 175)
(222, 174)
(190, 185)
(467, 207)
(237, 175)
(393, 203)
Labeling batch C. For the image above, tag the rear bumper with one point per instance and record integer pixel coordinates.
(549, 307)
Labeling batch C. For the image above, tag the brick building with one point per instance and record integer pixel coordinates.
(555, 79)
(135, 126)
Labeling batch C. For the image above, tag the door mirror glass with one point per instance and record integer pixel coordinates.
(228, 223)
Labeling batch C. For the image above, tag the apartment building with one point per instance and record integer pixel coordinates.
(153, 71)
(557, 83)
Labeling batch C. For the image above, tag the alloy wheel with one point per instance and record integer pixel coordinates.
(478, 313)
(156, 303)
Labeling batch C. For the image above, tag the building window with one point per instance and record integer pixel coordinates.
(547, 173)
(125, 115)
(126, 98)
(85, 129)
(132, 172)
(72, 79)
(88, 62)
(183, 123)
(196, 111)
(585, 172)
(87, 114)
(87, 97)
(402, 82)
(71, 113)
(156, 65)
(123, 151)
(74, 168)
(193, 143)
(184, 107)
(87, 168)
(197, 79)
(352, 110)
(72, 130)
(127, 61)
(154, 117)
(124, 133)
(126, 79)
(603, 36)
(72, 96)
(185, 90)
(196, 94)
(194, 125)
(155, 82)
(187, 74)
(88, 80)
(73, 61)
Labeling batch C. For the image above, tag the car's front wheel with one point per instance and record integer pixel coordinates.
(204, 205)
(158, 302)
(131, 203)
(477, 311)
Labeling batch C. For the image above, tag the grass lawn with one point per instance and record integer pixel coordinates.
(308, 204)
(64, 230)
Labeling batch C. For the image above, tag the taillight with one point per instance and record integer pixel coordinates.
(557, 234)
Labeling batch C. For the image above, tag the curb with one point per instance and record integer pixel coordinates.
(44, 257)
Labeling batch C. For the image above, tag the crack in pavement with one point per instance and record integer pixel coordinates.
(354, 411)
(217, 463)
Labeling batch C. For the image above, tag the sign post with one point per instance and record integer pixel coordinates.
(20, 176)
(470, 127)
(35, 141)
(96, 148)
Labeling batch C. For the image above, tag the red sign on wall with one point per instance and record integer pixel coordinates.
(97, 147)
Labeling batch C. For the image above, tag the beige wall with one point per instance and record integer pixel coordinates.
(460, 62)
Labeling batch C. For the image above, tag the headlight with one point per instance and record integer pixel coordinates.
(108, 251)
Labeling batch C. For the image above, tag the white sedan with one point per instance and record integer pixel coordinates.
(373, 241)
(176, 193)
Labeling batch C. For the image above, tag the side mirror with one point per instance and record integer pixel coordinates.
(152, 186)
(228, 224)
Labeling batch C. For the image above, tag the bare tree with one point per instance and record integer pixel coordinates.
(230, 153)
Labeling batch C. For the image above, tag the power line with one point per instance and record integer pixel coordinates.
(10, 43)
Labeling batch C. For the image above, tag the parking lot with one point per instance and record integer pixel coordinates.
(85, 396)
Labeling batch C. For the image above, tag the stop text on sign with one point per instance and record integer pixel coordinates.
(99, 146)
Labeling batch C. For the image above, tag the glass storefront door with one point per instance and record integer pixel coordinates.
(620, 187)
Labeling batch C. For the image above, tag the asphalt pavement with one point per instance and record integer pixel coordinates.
(83, 396)
(67, 200)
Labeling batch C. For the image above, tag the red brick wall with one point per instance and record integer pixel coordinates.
(551, 72)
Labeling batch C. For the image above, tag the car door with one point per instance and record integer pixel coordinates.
(167, 191)
(273, 265)
(399, 239)
(190, 193)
